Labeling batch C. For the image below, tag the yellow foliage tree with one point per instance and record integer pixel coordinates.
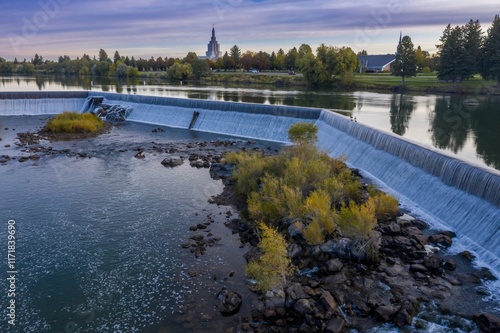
(273, 267)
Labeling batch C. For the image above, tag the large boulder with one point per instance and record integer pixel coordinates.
(488, 322)
(228, 302)
(336, 325)
(172, 162)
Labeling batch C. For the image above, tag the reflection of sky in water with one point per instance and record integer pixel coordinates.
(411, 116)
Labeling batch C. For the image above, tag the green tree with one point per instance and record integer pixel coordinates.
(452, 55)
(117, 57)
(103, 56)
(121, 70)
(200, 68)
(179, 71)
(291, 58)
(279, 61)
(473, 47)
(304, 50)
(490, 62)
(235, 53)
(405, 64)
(228, 61)
(303, 133)
(190, 58)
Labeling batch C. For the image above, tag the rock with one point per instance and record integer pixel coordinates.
(386, 312)
(440, 239)
(467, 255)
(294, 250)
(336, 325)
(140, 155)
(295, 230)
(449, 233)
(420, 224)
(392, 229)
(488, 322)
(334, 266)
(450, 264)
(333, 281)
(405, 218)
(172, 162)
(405, 314)
(432, 263)
(228, 302)
(295, 291)
(418, 268)
(303, 306)
(304, 328)
(328, 302)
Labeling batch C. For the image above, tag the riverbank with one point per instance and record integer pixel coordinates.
(378, 82)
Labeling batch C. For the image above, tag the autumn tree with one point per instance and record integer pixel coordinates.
(405, 64)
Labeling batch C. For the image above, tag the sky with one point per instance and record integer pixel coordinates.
(145, 28)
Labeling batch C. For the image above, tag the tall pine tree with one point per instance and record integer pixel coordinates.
(490, 62)
(406, 61)
(473, 44)
(452, 54)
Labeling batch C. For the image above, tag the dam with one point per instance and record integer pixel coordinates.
(456, 194)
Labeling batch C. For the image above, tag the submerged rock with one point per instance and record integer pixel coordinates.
(228, 302)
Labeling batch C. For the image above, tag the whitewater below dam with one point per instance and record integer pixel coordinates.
(447, 192)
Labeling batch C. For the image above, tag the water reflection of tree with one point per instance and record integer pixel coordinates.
(401, 110)
(450, 123)
(485, 122)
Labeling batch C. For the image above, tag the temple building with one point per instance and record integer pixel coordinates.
(213, 47)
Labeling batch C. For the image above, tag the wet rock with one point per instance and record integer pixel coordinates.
(140, 155)
(172, 162)
(228, 302)
(294, 250)
(440, 239)
(405, 314)
(432, 263)
(488, 322)
(336, 325)
(450, 264)
(386, 312)
(467, 255)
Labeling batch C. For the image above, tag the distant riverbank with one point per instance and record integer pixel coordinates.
(422, 83)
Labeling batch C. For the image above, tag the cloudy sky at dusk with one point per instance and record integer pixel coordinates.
(159, 28)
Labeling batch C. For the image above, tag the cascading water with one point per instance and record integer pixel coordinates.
(38, 103)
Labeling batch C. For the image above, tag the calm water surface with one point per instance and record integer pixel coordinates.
(467, 126)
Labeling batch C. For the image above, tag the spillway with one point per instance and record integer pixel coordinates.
(462, 196)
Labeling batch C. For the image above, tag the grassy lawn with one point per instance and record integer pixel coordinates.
(424, 83)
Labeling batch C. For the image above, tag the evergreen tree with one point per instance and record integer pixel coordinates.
(490, 62)
(103, 56)
(236, 55)
(117, 57)
(452, 55)
(473, 44)
(405, 64)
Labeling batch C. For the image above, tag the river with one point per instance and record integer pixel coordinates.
(466, 126)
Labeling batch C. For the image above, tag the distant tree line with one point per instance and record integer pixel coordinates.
(465, 51)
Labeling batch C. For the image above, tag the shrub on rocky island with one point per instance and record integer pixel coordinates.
(74, 123)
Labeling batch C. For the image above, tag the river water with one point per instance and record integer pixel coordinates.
(466, 126)
(98, 239)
